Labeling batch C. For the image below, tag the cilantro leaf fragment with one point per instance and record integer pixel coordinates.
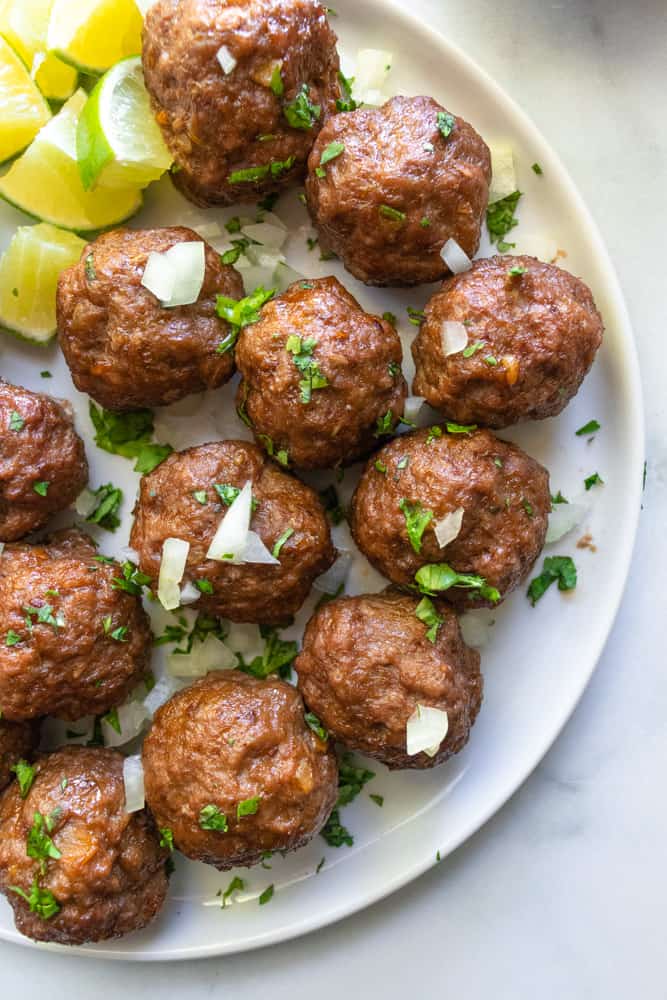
(266, 896)
(236, 885)
(500, 219)
(351, 779)
(559, 569)
(314, 723)
(166, 838)
(16, 421)
(594, 480)
(301, 350)
(40, 901)
(384, 425)
(248, 807)
(210, 818)
(105, 514)
(333, 150)
(240, 312)
(286, 535)
(128, 434)
(346, 102)
(25, 775)
(387, 212)
(590, 428)
(335, 833)
(426, 613)
(278, 656)
(416, 521)
(433, 578)
(446, 124)
(301, 113)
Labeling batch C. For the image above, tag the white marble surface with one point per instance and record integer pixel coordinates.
(564, 892)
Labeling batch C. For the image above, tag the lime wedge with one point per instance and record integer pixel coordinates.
(118, 141)
(45, 181)
(29, 271)
(24, 110)
(24, 23)
(92, 35)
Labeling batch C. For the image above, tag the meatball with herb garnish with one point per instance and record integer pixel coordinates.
(239, 90)
(511, 339)
(454, 511)
(318, 373)
(43, 465)
(73, 640)
(74, 864)
(233, 770)
(125, 346)
(255, 537)
(377, 670)
(388, 187)
(17, 742)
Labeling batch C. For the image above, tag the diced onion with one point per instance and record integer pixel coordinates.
(563, 519)
(284, 276)
(448, 527)
(208, 230)
(255, 551)
(476, 627)
(133, 777)
(85, 503)
(371, 73)
(245, 639)
(189, 594)
(226, 59)
(176, 276)
(164, 688)
(538, 245)
(274, 219)
(212, 654)
(503, 176)
(453, 337)
(425, 730)
(172, 567)
(266, 234)
(131, 718)
(127, 553)
(456, 259)
(56, 732)
(413, 405)
(330, 582)
(231, 536)
(2, 547)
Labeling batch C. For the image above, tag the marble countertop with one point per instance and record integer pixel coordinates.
(564, 892)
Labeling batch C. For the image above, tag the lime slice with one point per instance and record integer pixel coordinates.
(23, 23)
(118, 140)
(92, 35)
(24, 110)
(45, 181)
(29, 271)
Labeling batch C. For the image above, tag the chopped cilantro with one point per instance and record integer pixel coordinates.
(166, 838)
(333, 150)
(210, 818)
(266, 896)
(380, 466)
(40, 901)
(425, 222)
(555, 568)
(236, 885)
(500, 219)
(314, 723)
(433, 433)
(42, 488)
(387, 212)
(109, 498)
(590, 428)
(446, 124)
(240, 312)
(281, 455)
(132, 581)
(472, 349)
(12, 638)
(516, 271)
(276, 84)
(433, 578)
(377, 799)
(46, 374)
(335, 833)
(111, 719)
(491, 361)
(426, 613)
(278, 656)
(558, 498)
(394, 369)
(25, 775)
(43, 615)
(537, 169)
(251, 175)
(128, 434)
(312, 378)
(39, 844)
(351, 779)
(453, 428)
(301, 113)
(248, 807)
(416, 521)
(415, 316)
(384, 424)
(287, 533)
(390, 318)
(593, 480)
(201, 496)
(346, 102)
(233, 225)
(16, 421)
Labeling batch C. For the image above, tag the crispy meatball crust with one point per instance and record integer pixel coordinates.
(503, 492)
(215, 123)
(168, 508)
(110, 879)
(73, 668)
(38, 444)
(541, 326)
(17, 741)
(396, 160)
(122, 347)
(359, 355)
(366, 664)
(229, 738)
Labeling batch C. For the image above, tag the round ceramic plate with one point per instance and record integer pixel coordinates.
(537, 660)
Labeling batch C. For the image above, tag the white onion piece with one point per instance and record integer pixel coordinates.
(226, 59)
(413, 405)
(563, 519)
(2, 547)
(329, 582)
(176, 276)
(208, 230)
(54, 732)
(131, 718)
(453, 337)
(448, 527)
(189, 594)
(476, 627)
(538, 245)
(211, 654)
(503, 175)
(172, 567)
(284, 276)
(274, 219)
(245, 639)
(425, 730)
(456, 259)
(255, 551)
(230, 539)
(85, 503)
(127, 553)
(263, 256)
(266, 234)
(162, 691)
(255, 275)
(133, 777)
(371, 73)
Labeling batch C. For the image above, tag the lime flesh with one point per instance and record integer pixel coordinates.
(93, 35)
(24, 24)
(24, 110)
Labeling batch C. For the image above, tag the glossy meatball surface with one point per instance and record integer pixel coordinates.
(399, 189)
(122, 346)
(17, 741)
(238, 132)
(70, 643)
(43, 465)
(533, 331)
(421, 478)
(100, 872)
(168, 507)
(233, 770)
(318, 374)
(367, 663)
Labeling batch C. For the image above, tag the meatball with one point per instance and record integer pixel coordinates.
(122, 346)
(432, 478)
(533, 331)
(17, 740)
(94, 871)
(71, 642)
(319, 375)
(240, 91)
(187, 496)
(232, 770)
(367, 662)
(43, 465)
(409, 177)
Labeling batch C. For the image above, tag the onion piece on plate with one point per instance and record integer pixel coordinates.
(453, 337)
(412, 406)
(131, 717)
(266, 234)
(456, 259)
(172, 567)
(335, 577)
(162, 691)
(85, 503)
(563, 519)
(211, 654)
(133, 777)
(448, 527)
(189, 594)
(425, 730)
(226, 59)
(503, 175)
(370, 76)
(176, 276)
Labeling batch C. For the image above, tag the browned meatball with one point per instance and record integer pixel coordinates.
(179, 499)
(238, 133)
(533, 331)
(232, 769)
(71, 644)
(416, 480)
(400, 188)
(43, 465)
(17, 740)
(95, 871)
(122, 346)
(317, 331)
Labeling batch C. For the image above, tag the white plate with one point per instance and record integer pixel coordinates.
(539, 660)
